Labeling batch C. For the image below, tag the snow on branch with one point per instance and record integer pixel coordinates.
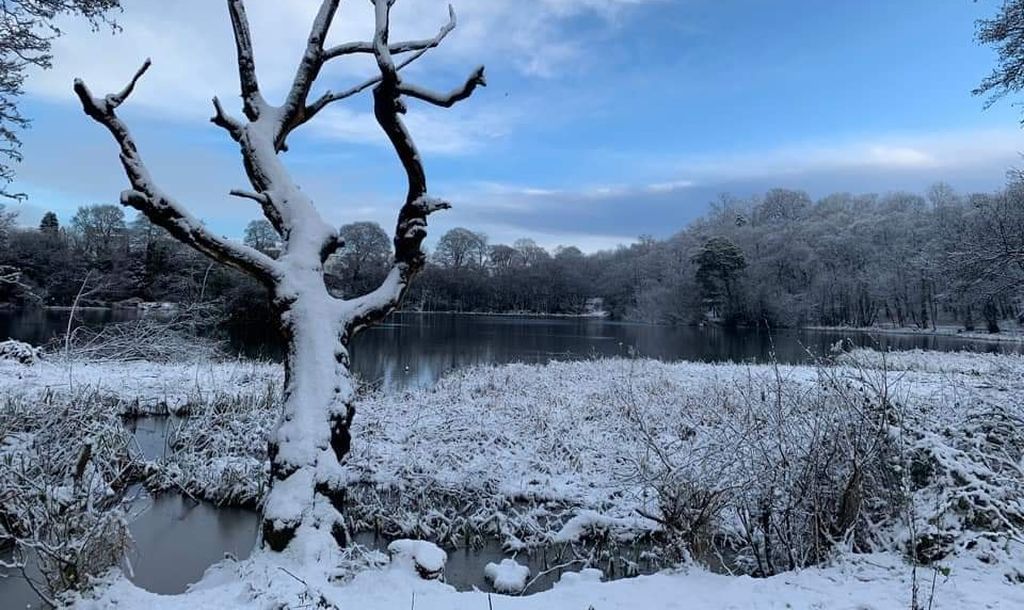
(221, 119)
(159, 208)
(309, 68)
(251, 97)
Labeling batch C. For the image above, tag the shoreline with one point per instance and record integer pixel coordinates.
(949, 331)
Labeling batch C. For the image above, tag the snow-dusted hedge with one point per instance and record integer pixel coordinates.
(19, 351)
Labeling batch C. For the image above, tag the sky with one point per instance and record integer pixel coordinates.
(603, 120)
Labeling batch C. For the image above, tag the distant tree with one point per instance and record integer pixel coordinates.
(6, 223)
(461, 247)
(363, 260)
(99, 228)
(27, 30)
(719, 263)
(989, 257)
(503, 257)
(533, 254)
(49, 225)
(782, 206)
(261, 235)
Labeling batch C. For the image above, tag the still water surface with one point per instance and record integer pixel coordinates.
(414, 349)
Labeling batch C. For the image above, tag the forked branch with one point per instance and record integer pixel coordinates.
(411, 228)
(418, 48)
(158, 207)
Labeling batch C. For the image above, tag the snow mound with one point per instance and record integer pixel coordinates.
(584, 576)
(508, 576)
(19, 351)
(426, 558)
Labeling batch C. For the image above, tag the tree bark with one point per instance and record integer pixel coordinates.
(313, 434)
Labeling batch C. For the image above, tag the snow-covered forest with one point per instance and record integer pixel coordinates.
(148, 462)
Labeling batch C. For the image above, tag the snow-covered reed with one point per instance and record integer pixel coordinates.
(65, 465)
(757, 468)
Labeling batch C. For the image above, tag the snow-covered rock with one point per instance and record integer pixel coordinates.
(509, 576)
(426, 558)
(19, 351)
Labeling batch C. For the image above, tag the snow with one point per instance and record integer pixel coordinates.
(546, 455)
(142, 387)
(872, 582)
(18, 351)
(422, 557)
(508, 576)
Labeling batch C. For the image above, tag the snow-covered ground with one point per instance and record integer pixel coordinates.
(872, 582)
(570, 451)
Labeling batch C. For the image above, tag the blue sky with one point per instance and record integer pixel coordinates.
(604, 119)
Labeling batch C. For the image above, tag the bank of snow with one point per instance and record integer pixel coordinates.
(873, 582)
(139, 387)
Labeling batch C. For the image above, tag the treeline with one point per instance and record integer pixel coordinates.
(100, 258)
(780, 259)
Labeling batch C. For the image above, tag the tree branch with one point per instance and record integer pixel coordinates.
(251, 98)
(447, 100)
(397, 47)
(147, 198)
(411, 228)
(420, 47)
(221, 119)
(308, 70)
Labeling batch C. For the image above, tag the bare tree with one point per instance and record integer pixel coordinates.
(261, 235)
(461, 247)
(303, 510)
(364, 260)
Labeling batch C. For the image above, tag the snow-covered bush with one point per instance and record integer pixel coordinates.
(20, 352)
(150, 338)
(65, 466)
(219, 452)
(773, 468)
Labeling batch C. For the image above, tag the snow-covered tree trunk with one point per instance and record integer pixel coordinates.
(303, 511)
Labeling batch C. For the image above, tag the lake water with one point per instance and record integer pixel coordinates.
(414, 349)
(176, 539)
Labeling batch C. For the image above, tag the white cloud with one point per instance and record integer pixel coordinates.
(192, 50)
(887, 153)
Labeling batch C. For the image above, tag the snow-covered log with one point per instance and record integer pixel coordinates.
(306, 499)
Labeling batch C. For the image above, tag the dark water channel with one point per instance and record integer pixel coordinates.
(176, 539)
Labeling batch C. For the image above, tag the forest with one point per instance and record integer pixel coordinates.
(780, 259)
